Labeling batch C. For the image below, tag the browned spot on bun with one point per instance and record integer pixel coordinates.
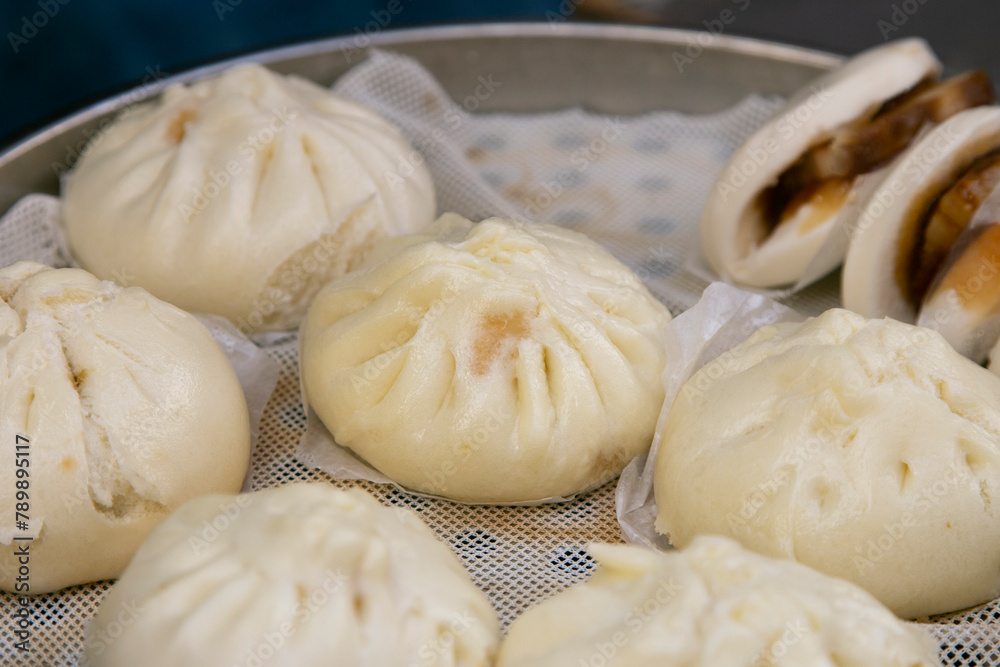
(607, 464)
(497, 333)
(78, 377)
(175, 130)
(67, 464)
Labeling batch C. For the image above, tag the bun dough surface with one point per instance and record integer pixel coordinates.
(489, 362)
(713, 604)
(241, 195)
(993, 361)
(130, 409)
(732, 229)
(296, 576)
(867, 449)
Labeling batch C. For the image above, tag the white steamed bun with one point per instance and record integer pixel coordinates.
(867, 449)
(242, 194)
(489, 362)
(739, 240)
(713, 605)
(130, 409)
(297, 576)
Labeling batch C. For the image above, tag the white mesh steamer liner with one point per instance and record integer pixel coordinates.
(634, 184)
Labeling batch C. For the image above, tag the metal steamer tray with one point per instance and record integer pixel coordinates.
(544, 67)
(517, 555)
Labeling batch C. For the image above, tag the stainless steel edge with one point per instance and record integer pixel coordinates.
(540, 66)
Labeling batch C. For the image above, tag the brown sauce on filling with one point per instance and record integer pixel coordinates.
(945, 219)
(974, 274)
(825, 199)
(872, 142)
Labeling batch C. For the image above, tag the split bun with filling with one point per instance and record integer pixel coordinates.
(927, 244)
(797, 178)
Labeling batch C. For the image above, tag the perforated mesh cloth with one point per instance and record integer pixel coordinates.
(637, 189)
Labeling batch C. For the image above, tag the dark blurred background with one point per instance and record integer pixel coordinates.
(60, 55)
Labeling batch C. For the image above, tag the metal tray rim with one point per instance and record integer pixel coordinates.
(613, 32)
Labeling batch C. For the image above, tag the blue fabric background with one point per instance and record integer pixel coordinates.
(66, 53)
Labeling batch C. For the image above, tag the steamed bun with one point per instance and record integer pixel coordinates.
(489, 362)
(867, 449)
(297, 576)
(130, 409)
(713, 605)
(241, 195)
